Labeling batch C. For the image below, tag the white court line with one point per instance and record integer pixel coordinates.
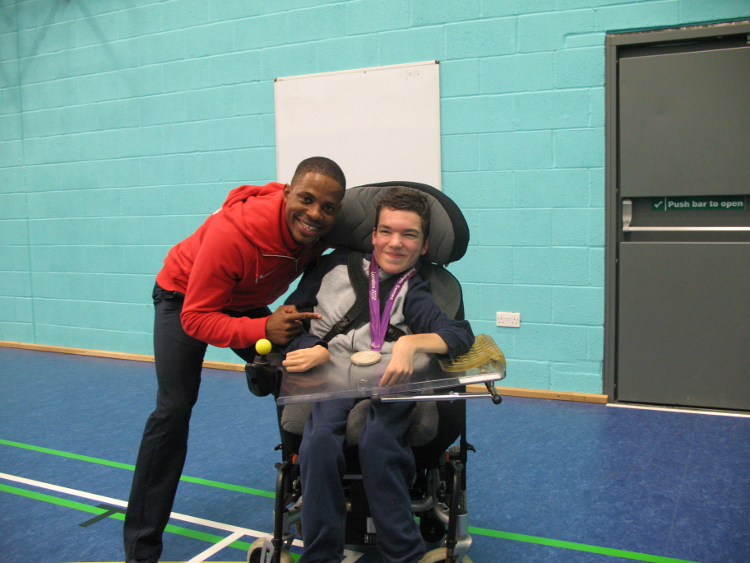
(123, 504)
(216, 548)
(677, 409)
(351, 556)
(65, 490)
(237, 531)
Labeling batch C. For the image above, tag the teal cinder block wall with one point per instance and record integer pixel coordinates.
(124, 124)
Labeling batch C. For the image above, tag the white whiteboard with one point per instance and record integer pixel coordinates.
(379, 124)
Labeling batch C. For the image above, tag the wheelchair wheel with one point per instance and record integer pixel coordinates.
(431, 527)
(257, 553)
(438, 556)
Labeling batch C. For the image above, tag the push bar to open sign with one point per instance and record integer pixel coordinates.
(627, 218)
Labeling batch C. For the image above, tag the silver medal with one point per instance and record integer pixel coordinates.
(365, 358)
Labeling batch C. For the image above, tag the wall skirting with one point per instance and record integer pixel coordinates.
(508, 391)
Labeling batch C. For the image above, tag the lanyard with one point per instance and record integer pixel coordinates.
(378, 323)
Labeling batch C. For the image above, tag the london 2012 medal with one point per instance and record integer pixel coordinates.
(378, 321)
(365, 358)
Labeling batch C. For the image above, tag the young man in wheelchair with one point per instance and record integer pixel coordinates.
(404, 321)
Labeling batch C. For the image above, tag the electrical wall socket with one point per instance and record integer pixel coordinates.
(508, 319)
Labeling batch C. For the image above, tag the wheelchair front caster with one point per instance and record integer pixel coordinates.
(438, 556)
(259, 552)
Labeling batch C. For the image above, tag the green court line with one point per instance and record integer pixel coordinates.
(228, 486)
(211, 538)
(200, 535)
(186, 478)
(52, 500)
(68, 455)
(577, 546)
(179, 530)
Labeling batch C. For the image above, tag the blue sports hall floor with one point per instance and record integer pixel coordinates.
(551, 481)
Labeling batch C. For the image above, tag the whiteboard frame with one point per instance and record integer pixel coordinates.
(379, 124)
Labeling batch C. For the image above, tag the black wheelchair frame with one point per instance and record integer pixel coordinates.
(439, 491)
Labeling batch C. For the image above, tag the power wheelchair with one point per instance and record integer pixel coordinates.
(438, 423)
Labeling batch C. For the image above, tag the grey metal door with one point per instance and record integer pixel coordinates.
(678, 234)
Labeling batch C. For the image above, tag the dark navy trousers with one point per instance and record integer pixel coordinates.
(161, 457)
(388, 468)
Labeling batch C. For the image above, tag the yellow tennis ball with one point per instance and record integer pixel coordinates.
(263, 346)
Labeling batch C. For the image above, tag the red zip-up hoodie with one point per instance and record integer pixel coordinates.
(242, 257)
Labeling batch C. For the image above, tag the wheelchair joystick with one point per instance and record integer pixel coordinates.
(261, 375)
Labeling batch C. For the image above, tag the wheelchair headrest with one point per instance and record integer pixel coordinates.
(449, 232)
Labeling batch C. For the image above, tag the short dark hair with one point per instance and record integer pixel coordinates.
(406, 199)
(320, 165)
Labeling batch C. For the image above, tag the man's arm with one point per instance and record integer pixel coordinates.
(219, 264)
(217, 267)
(286, 323)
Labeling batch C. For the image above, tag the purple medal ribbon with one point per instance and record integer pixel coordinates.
(378, 324)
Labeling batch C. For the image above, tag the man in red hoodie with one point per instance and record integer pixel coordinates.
(215, 288)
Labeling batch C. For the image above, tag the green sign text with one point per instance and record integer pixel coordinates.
(696, 203)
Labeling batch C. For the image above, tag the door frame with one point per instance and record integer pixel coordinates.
(615, 43)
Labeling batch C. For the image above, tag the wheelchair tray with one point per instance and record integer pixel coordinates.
(340, 379)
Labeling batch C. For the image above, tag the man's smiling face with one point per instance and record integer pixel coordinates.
(311, 206)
